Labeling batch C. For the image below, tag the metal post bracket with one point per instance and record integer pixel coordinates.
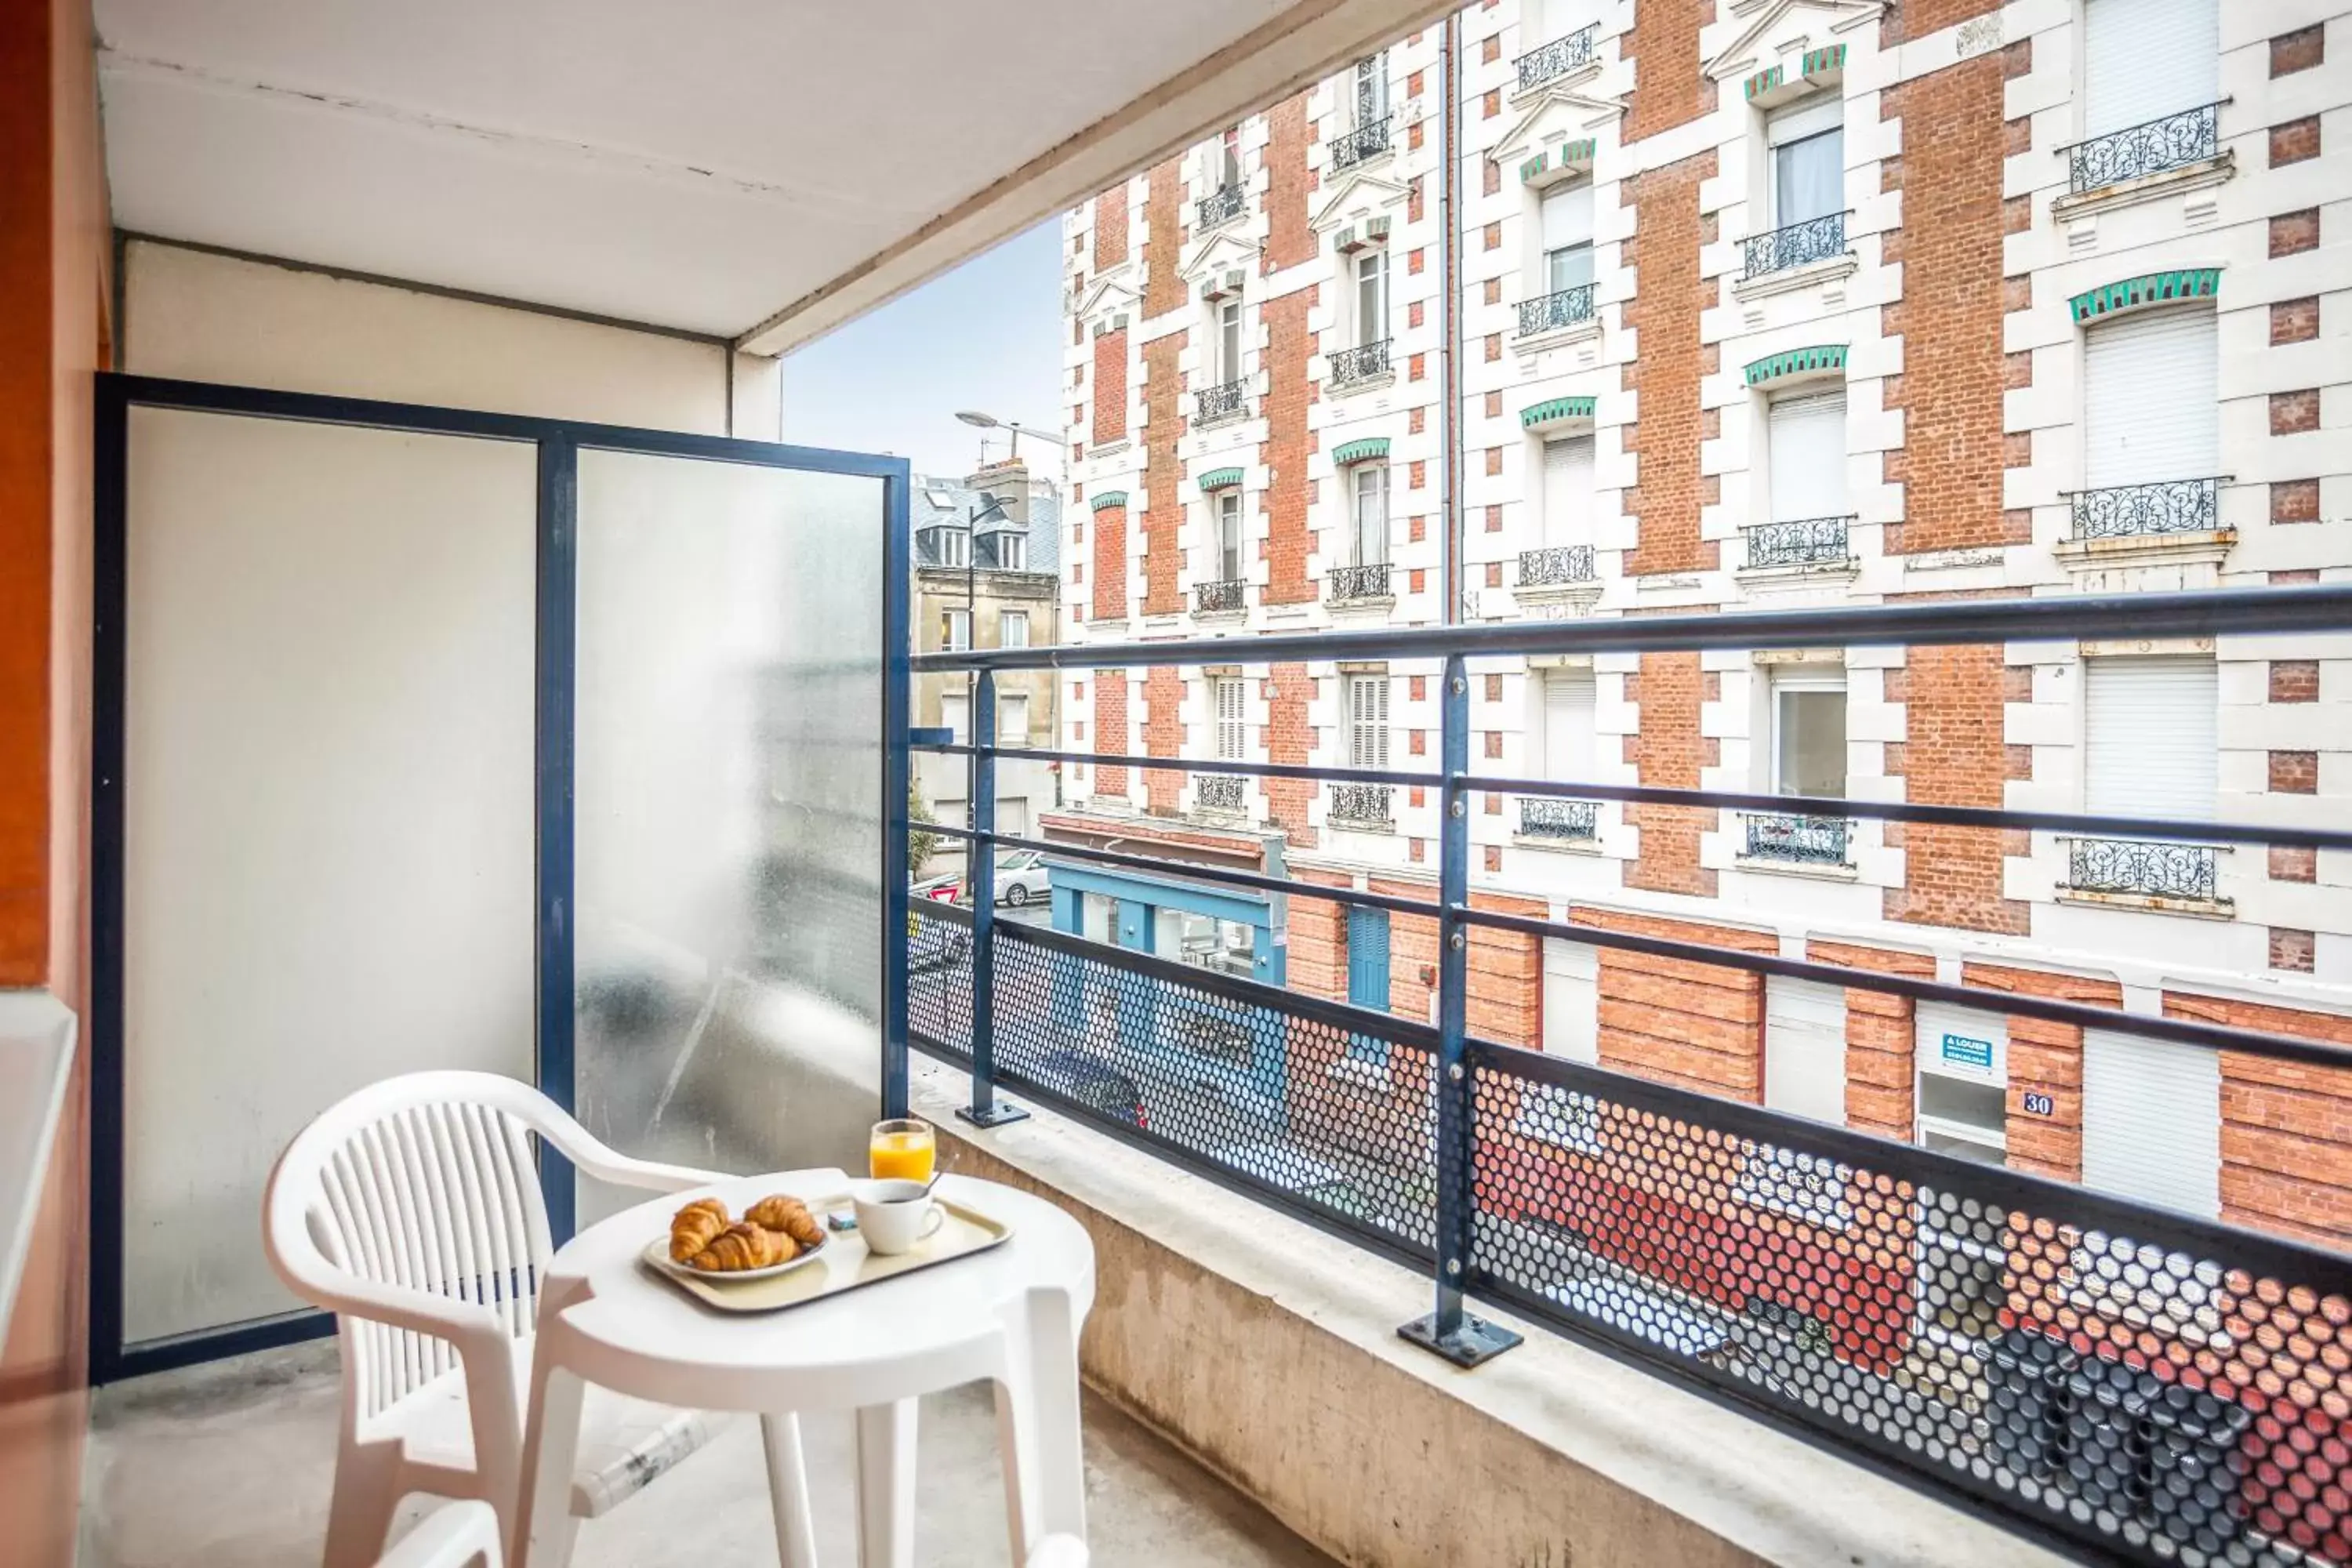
(1475, 1342)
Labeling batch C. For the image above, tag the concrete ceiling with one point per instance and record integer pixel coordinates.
(756, 169)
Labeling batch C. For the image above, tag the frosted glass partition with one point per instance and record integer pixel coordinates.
(327, 818)
(728, 829)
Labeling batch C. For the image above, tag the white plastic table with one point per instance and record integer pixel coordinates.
(1010, 1315)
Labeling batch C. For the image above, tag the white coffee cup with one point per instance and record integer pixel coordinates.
(893, 1215)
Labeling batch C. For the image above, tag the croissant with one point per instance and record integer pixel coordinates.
(788, 1214)
(695, 1226)
(744, 1246)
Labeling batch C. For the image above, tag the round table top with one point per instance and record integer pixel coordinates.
(606, 1316)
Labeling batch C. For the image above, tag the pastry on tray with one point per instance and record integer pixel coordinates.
(788, 1214)
(696, 1227)
(744, 1246)
(777, 1229)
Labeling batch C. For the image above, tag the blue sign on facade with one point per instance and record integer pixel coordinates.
(1962, 1051)
(2039, 1105)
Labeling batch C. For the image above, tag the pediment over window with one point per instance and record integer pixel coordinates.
(1220, 251)
(1556, 119)
(1105, 297)
(1356, 197)
(1798, 39)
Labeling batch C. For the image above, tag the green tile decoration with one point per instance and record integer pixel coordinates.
(1359, 451)
(1533, 167)
(2152, 289)
(1796, 362)
(1764, 81)
(1220, 478)
(1108, 499)
(1822, 62)
(1555, 409)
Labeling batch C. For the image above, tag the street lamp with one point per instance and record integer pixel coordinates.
(980, 421)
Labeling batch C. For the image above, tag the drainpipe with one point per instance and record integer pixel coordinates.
(1448, 355)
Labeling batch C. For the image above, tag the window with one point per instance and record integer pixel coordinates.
(1571, 999)
(1808, 147)
(1013, 629)
(2151, 396)
(1368, 720)
(2152, 737)
(1012, 551)
(955, 713)
(1373, 88)
(2152, 1122)
(1229, 534)
(1568, 236)
(1012, 719)
(2145, 60)
(1809, 731)
(1228, 696)
(1369, 485)
(1228, 158)
(1229, 341)
(1371, 296)
(1805, 457)
(1568, 490)
(952, 546)
(1568, 705)
(955, 630)
(1804, 1048)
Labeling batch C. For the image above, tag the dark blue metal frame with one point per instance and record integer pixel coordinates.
(558, 444)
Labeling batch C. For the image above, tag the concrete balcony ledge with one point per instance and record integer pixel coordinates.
(1268, 1350)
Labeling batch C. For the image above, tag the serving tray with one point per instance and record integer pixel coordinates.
(843, 1264)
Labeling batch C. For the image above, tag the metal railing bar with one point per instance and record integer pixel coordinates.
(2248, 612)
(2143, 125)
(2009, 1004)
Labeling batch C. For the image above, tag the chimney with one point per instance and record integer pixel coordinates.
(1009, 479)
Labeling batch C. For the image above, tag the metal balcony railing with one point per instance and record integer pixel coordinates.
(1220, 598)
(1796, 245)
(1809, 542)
(1562, 308)
(1350, 583)
(2174, 141)
(1223, 401)
(2168, 506)
(1544, 818)
(1218, 792)
(1368, 140)
(2143, 868)
(1557, 565)
(1803, 840)
(2132, 1383)
(1220, 206)
(1558, 58)
(1362, 362)
(1356, 803)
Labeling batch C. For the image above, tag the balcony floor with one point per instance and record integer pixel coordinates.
(229, 1467)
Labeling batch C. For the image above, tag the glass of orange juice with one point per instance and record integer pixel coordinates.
(901, 1151)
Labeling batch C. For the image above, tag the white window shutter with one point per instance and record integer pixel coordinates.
(1807, 459)
(2152, 1122)
(1568, 215)
(1567, 474)
(2148, 58)
(1804, 1048)
(1571, 1006)
(1231, 736)
(1568, 724)
(2152, 737)
(2151, 397)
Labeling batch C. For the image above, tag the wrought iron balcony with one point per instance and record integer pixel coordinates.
(1556, 565)
(1361, 803)
(1227, 597)
(1558, 58)
(2135, 867)
(1368, 140)
(1805, 840)
(2168, 506)
(1211, 403)
(1220, 206)
(1808, 542)
(2191, 136)
(1543, 817)
(1348, 582)
(1218, 792)
(1565, 308)
(1796, 245)
(1349, 366)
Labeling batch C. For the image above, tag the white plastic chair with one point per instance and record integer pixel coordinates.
(411, 1209)
(462, 1535)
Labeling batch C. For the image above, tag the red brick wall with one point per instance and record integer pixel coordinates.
(1881, 1035)
(1110, 563)
(1953, 754)
(1164, 240)
(1289, 240)
(1290, 739)
(1110, 387)
(2046, 1059)
(2286, 1129)
(1318, 963)
(1667, 754)
(1670, 87)
(1110, 727)
(1917, 18)
(1696, 1026)
(1288, 344)
(1163, 506)
(1163, 736)
(1950, 314)
(1111, 228)
(1669, 488)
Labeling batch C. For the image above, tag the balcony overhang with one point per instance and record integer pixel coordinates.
(736, 175)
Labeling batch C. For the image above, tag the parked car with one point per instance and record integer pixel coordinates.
(1021, 878)
(1096, 1085)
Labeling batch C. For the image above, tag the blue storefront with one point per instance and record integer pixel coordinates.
(1136, 903)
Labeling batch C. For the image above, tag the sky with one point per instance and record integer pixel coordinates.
(986, 336)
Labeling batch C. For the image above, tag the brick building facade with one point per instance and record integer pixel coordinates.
(1798, 302)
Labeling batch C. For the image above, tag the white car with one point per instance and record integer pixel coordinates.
(1021, 878)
